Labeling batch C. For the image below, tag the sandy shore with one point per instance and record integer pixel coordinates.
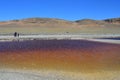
(10, 74)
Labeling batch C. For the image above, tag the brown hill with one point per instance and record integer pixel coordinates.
(40, 22)
(59, 26)
(91, 22)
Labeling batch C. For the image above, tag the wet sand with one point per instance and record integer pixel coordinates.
(77, 57)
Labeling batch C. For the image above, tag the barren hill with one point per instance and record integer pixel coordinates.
(60, 26)
(40, 22)
(90, 22)
(113, 20)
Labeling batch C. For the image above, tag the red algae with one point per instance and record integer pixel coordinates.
(72, 55)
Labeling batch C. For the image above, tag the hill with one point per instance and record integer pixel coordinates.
(60, 26)
(113, 20)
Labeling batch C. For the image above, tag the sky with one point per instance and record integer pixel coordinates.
(63, 9)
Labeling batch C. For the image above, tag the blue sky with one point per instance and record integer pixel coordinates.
(64, 9)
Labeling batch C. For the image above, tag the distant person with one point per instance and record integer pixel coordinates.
(18, 34)
(15, 34)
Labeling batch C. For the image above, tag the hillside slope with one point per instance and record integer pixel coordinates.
(60, 26)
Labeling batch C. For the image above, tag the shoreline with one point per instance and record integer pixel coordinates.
(97, 38)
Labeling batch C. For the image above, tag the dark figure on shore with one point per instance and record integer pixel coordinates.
(15, 34)
(18, 34)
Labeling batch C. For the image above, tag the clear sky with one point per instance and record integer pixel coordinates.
(64, 9)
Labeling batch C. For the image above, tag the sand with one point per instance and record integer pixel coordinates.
(10, 74)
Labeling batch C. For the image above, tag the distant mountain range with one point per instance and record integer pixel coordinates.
(43, 25)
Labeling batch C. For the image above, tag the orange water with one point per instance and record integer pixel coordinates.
(69, 55)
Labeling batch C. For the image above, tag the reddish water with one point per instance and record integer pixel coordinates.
(60, 54)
